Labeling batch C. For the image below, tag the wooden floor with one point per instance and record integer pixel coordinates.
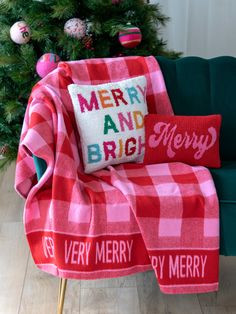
(26, 290)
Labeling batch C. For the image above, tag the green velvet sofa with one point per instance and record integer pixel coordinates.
(199, 86)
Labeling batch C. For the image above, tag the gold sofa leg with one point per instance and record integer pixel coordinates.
(61, 295)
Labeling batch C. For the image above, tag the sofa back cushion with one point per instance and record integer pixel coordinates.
(199, 86)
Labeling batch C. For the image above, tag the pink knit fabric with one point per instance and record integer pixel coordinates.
(119, 220)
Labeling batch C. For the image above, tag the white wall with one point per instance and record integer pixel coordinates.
(203, 28)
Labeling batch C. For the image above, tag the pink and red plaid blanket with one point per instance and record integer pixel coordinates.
(118, 221)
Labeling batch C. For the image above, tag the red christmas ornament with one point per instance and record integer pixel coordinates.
(88, 42)
(115, 1)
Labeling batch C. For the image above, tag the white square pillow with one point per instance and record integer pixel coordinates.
(110, 120)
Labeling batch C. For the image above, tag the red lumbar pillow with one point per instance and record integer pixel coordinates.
(190, 139)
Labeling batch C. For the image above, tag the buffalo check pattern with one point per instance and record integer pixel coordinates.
(119, 220)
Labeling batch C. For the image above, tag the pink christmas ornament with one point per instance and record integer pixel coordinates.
(47, 63)
(75, 28)
(130, 36)
(20, 33)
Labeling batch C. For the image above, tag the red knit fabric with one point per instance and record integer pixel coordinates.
(190, 139)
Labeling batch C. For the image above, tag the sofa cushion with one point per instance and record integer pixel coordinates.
(225, 181)
(199, 86)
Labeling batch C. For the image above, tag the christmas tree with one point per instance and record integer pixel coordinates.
(72, 30)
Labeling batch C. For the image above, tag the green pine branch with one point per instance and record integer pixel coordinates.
(46, 19)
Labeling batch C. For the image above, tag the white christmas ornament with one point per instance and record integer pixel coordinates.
(75, 28)
(20, 32)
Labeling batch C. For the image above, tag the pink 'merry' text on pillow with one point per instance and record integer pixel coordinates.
(190, 139)
(110, 120)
